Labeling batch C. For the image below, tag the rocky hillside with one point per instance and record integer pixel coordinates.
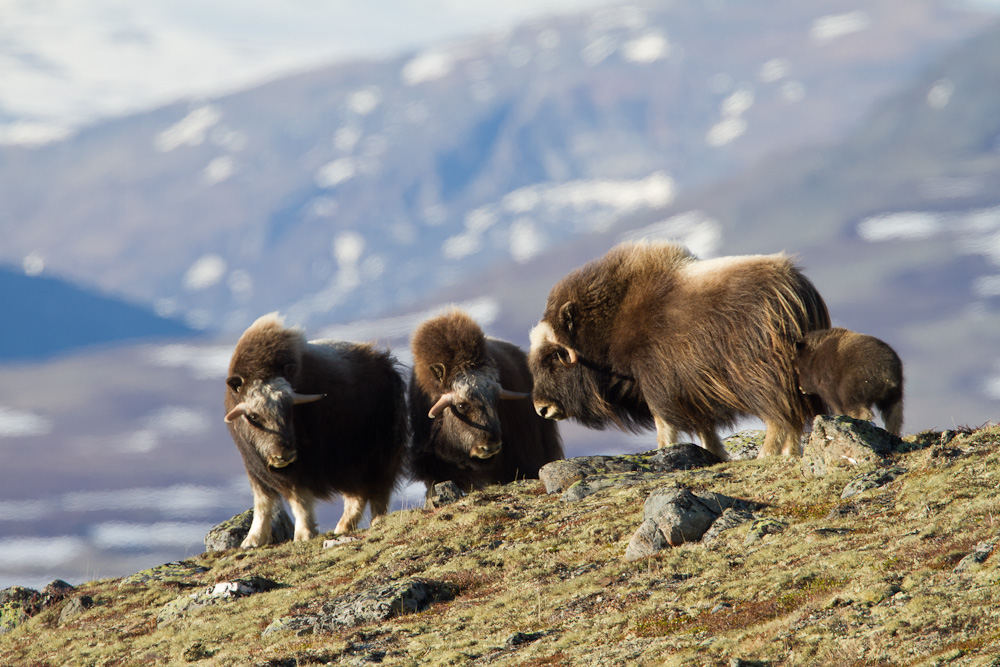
(866, 551)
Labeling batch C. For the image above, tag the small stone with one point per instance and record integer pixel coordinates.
(521, 638)
(645, 542)
(730, 518)
(74, 608)
(744, 445)
(443, 493)
(842, 441)
(196, 652)
(341, 540)
(872, 480)
(761, 527)
(978, 556)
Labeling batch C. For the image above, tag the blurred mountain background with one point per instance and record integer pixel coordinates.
(368, 182)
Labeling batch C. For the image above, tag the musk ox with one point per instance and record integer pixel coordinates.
(851, 372)
(311, 419)
(470, 408)
(649, 335)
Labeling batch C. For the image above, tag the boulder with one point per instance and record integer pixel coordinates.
(871, 480)
(18, 603)
(219, 593)
(371, 606)
(675, 515)
(443, 493)
(230, 533)
(842, 441)
(177, 573)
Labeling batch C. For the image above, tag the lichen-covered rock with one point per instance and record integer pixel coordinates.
(230, 533)
(843, 441)
(675, 515)
(176, 572)
(219, 593)
(377, 604)
(761, 527)
(443, 493)
(871, 480)
(729, 519)
(17, 605)
(558, 476)
(74, 608)
(979, 555)
(744, 445)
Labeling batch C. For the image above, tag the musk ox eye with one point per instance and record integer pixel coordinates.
(461, 407)
(254, 420)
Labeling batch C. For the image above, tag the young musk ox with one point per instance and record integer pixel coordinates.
(851, 372)
(470, 409)
(311, 419)
(649, 335)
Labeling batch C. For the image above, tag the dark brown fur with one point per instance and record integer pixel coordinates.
(663, 339)
(352, 441)
(451, 354)
(850, 373)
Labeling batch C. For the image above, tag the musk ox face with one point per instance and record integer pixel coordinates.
(467, 412)
(563, 386)
(263, 417)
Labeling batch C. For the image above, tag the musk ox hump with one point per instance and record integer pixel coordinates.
(267, 349)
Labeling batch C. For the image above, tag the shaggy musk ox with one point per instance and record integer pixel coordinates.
(470, 412)
(311, 419)
(649, 335)
(850, 372)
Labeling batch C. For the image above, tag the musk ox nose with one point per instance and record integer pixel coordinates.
(549, 411)
(281, 460)
(486, 450)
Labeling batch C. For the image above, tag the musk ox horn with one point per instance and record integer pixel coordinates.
(572, 357)
(236, 413)
(442, 403)
(298, 399)
(507, 394)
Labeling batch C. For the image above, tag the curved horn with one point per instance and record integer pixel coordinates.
(442, 403)
(507, 394)
(572, 357)
(298, 399)
(236, 413)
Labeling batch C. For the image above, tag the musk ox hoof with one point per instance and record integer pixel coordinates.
(253, 541)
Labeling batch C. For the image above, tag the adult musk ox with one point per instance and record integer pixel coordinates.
(311, 419)
(851, 372)
(650, 335)
(470, 408)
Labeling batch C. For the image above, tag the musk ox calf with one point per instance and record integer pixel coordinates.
(649, 335)
(312, 419)
(851, 372)
(470, 412)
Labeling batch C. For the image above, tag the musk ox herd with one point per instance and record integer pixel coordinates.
(648, 336)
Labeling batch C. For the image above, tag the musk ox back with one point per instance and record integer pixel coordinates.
(649, 335)
(470, 409)
(311, 419)
(851, 372)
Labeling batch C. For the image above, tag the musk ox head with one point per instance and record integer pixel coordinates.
(263, 417)
(452, 366)
(565, 385)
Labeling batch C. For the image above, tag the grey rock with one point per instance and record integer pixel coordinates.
(589, 486)
(761, 527)
(744, 445)
(177, 572)
(871, 480)
(378, 604)
(729, 519)
(74, 608)
(230, 533)
(645, 542)
(974, 560)
(17, 605)
(843, 441)
(521, 638)
(219, 593)
(559, 476)
(443, 493)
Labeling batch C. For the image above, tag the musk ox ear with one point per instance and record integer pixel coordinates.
(566, 316)
(800, 345)
(439, 372)
(236, 413)
(235, 382)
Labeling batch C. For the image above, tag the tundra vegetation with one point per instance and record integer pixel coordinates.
(899, 574)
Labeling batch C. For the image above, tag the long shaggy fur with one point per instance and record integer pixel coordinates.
(850, 373)
(350, 442)
(451, 354)
(665, 339)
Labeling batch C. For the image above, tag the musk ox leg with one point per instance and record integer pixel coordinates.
(264, 507)
(354, 507)
(379, 506)
(666, 433)
(781, 438)
(892, 415)
(710, 440)
(862, 412)
(303, 509)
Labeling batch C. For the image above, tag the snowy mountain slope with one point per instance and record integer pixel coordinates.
(358, 189)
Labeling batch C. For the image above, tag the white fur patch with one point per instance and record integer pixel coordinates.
(540, 334)
(707, 267)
